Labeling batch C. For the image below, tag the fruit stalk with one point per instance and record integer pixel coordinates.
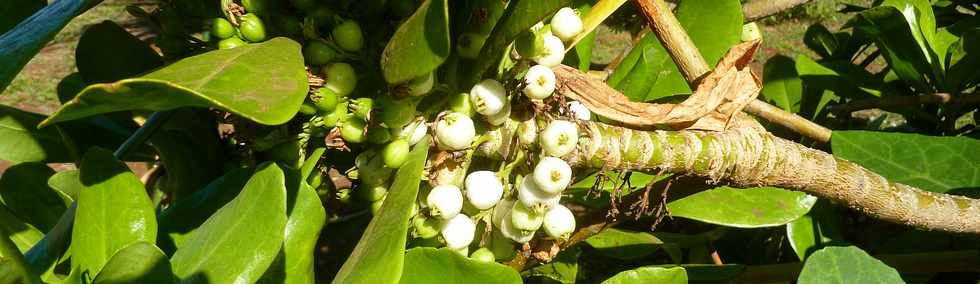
(752, 157)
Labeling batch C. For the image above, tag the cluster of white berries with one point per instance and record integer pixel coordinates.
(537, 204)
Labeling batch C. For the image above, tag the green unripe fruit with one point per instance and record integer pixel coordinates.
(371, 192)
(353, 131)
(303, 5)
(221, 28)
(340, 77)
(348, 36)
(395, 153)
(378, 135)
(288, 153)
(327, 100)
(395, 113)
(361, 108)
(461, 103)
(258, 7)
(307, 108)
(483, 255)
(318, 53)
(230, 43)
(339, 115)
(322, 16)
(252, 28)
(468, 45)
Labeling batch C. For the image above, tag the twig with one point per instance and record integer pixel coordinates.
(903, 101)
(792, 121)
(758, 9)
(693, 66)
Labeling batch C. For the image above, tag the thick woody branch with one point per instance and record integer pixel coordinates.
(689, 60)
(758, 9)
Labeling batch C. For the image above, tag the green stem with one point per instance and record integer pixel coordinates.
(154, 122)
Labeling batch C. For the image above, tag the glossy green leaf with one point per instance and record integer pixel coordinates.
(782, 86)
(563, 268)
(20, 44)
(650, 274)
(818, 228)
(419, 45)
(820, 86)
(904, 54)
(240, 241)
(14, 11)
(965, 57)
(190, 149)
(309, 166)
(743, 208)
(13, 268)
(932, 163)
(846, 265)
(294, 264)
(180, 220)
(54, 246)
(430, 265)
(265, 82)
(714, 26)
(113, 212)
(519, 17)
(137, 263)
(922, 22)
(67, 182)
(378, 256)
(23, 234)
(23, 142)
(24, 190)
(624, 244)
(106, 52)
(821, 40)
(709, 272)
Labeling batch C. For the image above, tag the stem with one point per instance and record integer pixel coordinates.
(789, 120)
(156, 120)
(758, 9)
(751, 157)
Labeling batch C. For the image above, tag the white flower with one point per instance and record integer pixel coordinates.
(539, 82)
(566, 24)
(483, 189)
(488, 97)
(445, 201)
(553, 53)
(559, 222)
(458, 232)
(454, 131)
(559, 138)
(552, 175)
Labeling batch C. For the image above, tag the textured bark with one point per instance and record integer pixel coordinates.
(749, 156)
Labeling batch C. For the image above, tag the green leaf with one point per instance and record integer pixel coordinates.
(714, 26)
(240, 241)
(743, 208)
(821, 40)
(190, 149)
(294, 264)
(13, 269)
(624, 244)
(378, 256)
(14, 11)
(782, 86)
(937, 164)
(54, 246)
(818, 228)
(430, 265)
(846, 265)
(23, 234)
(23, 142)
(650, 274)
(67, 182)
(906, 56)
(106, 52)
(20, 44)
(113, 212)
(137, 263)
(419, 45)
(563, 268)
(965, 56)
(24, 189)
(265, 82)
(180, 220)
(519, 17)
(709, 272)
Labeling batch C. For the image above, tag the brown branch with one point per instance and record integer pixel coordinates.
(906, 101)
(694, 67)
(789, 120)
(758, 9)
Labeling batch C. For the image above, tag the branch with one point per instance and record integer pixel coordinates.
(694, 67)
(906, 101)
(758, 9)
(751, 157)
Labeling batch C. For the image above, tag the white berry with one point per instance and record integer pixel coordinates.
(566, 24)
(483, 189)
(559, 222)
(488, 97)
(579, 111)
(454, 131)
(534, 198)
(445, 201)
(527, 132)
(553, 53)
(414, 131)
(421, 85)
(458, 231)
(539, 82)
(524, 219)
(500, 117)
(559, 138)
(552, 175)
(509, 231)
